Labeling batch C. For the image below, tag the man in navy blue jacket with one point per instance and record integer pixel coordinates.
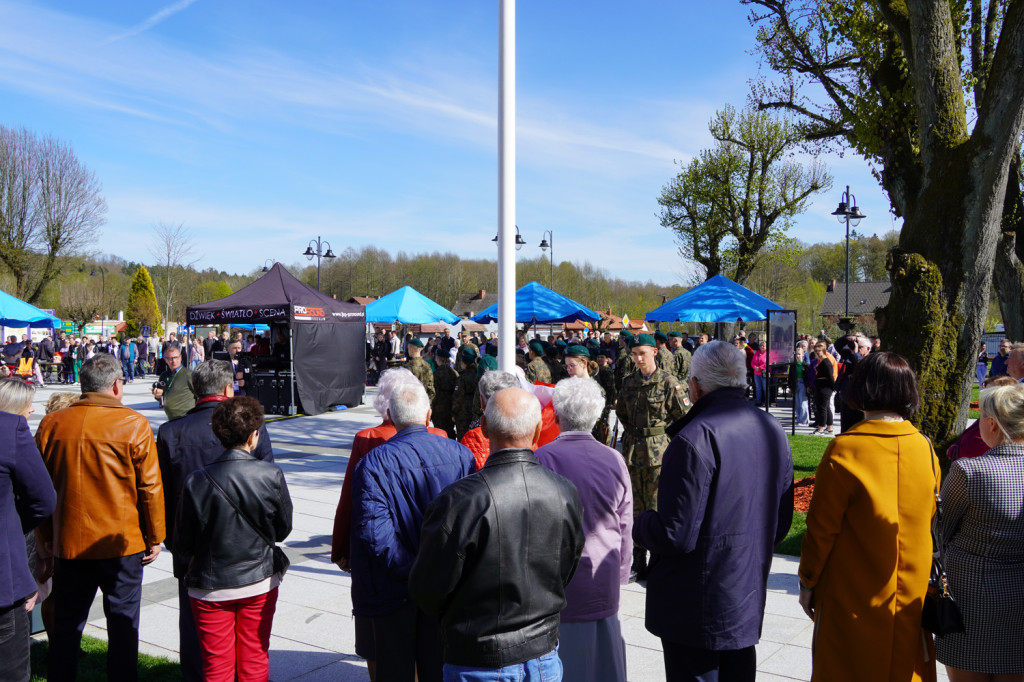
(26, 498)
(391, 488)
(725, 499)
(185, 445)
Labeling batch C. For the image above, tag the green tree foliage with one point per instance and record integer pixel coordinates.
(826, 262)
(209, 290)
(142, 310)
(738, 198)
(895, 81)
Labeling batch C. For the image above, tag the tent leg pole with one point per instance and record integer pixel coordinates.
(291, 363)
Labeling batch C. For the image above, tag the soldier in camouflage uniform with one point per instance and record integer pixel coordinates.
(624, 364)
(418, 366)
(681, 356)
(465, 390)
(445, 380)
(537, 369)
(467, 342)
(665, 359)
(650, 400)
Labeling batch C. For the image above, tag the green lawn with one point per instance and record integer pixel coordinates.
(807, 452)
(974, 414)
(93, 665)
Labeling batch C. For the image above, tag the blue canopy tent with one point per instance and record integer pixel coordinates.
(408, 306)
(16, 313)
(719, 299)
(535, 303)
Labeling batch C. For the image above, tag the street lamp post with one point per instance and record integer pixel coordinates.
(319, 253)
(519, 239)
(547, 241)
(269, 263)
(849, 213)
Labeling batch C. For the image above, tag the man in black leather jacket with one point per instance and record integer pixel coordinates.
(497, 549)
(185, 445)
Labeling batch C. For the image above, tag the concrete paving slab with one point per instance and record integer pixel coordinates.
(346, 670)
(291, 658)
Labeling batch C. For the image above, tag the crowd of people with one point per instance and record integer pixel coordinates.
(491, 518)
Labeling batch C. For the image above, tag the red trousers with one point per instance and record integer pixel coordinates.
(234, 636)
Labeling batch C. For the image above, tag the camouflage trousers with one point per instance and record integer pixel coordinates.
(644, 481)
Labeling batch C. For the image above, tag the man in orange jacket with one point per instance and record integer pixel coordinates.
(109, 519)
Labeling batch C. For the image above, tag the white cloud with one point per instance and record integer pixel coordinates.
(151, 21)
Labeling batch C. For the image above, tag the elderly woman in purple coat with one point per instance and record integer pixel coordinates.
(590, 640)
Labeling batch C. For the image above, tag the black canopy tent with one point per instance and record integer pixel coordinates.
(326, 336)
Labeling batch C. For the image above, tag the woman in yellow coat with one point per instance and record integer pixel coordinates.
(866, 556)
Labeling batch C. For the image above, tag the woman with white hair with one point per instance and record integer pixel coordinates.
(362, 443)
(590, 639)
(983, 528)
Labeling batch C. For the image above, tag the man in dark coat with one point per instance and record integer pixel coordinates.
(725, 499)
(185, 445)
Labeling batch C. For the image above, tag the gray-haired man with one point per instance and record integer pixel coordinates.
(513, 528)
(725, 498)
(391, 488)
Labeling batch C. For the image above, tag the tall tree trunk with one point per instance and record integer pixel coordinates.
(1009, 283)
(1009, 272)
(942, 277)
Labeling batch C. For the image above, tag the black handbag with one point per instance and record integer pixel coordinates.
(281, 561)
(941, 615)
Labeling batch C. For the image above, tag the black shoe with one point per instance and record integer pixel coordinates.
(632, 577)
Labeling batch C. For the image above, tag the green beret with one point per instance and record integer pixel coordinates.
(627, 334)
(537, 347)
(577, 351)
(487, 363)
(660, 336)
(644, 340)
(415, 342)
(468, 352)
(676, 335)
(561, 344)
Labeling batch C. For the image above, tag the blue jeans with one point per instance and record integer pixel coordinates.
(759, 388)
(802, 415)
(547, 668)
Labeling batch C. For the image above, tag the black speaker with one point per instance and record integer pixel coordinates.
(264, 385)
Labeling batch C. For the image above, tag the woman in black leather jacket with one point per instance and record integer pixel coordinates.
(230, 516)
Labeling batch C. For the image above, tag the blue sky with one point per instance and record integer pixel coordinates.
(260, 125)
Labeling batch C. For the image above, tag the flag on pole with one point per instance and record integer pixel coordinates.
(586, 324)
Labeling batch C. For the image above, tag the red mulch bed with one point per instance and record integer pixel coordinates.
(802, 492)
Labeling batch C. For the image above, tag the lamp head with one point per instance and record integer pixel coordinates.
(308, 253)
(329, 254)
(544, 245)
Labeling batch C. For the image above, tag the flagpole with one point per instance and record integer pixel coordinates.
(506, 185)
